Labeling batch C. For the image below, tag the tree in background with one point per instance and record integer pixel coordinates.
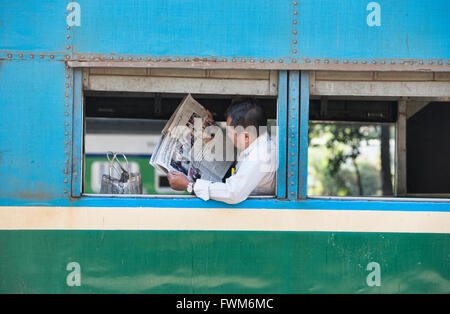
(342, 146)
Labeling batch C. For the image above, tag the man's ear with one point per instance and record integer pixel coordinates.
(247, 138)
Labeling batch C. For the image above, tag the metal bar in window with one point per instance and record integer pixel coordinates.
(282, 133)
(400, 173)
(293, 128)
(77, 132)
(303, 135)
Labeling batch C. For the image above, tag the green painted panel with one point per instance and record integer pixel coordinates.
(222, 262)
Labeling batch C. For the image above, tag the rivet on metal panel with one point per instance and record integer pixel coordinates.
(67, 57)
(308, 61)
(32, 56)
(345, 61)
(317, 61)
(295, 3)
(292, 183)
(295, 12)
(293, 163)
(280, 61)
(294, 32)
(440, 62)
(294, 22)
(271, 60)
(294, 60)
(9, 55)
(130, 58)
(20, 55)
(294, 41)
(355, 62)
(430, 62)
(292, 193)
(326, 61)
(68, 47)
(252, 60)
(364, 62)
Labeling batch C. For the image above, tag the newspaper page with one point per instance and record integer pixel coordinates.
(187, 144)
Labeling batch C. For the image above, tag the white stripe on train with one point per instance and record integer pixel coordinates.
(132, 218)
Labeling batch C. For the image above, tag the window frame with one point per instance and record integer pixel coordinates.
(78, 154)
(293, 117)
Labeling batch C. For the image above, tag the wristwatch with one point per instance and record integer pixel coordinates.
(189, 187)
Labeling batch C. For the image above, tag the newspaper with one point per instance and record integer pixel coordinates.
(187, 145)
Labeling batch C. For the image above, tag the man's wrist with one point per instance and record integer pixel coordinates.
(190, 187)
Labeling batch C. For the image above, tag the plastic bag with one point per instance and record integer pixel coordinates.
(129, 182)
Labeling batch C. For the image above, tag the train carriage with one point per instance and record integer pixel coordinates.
(359, 92)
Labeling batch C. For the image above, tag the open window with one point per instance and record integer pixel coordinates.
(378, 134)
(125, 111)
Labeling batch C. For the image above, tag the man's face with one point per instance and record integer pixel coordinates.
(240, 140)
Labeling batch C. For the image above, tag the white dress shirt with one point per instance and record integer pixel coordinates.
(255, 174)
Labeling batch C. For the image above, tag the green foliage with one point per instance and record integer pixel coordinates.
(336, 167)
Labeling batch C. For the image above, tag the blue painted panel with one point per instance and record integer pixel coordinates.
(30, 25)
(32, 139)
(188, 28)
(408, 29)
(303, 135)
(293, 128)
(378, 204)
(77, 133)
(282, 134)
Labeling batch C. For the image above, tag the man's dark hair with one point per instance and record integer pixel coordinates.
(246, 113)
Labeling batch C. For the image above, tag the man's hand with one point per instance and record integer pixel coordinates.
(178, 181)
(209, 119)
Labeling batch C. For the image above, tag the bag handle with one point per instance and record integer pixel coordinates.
(115, 158)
